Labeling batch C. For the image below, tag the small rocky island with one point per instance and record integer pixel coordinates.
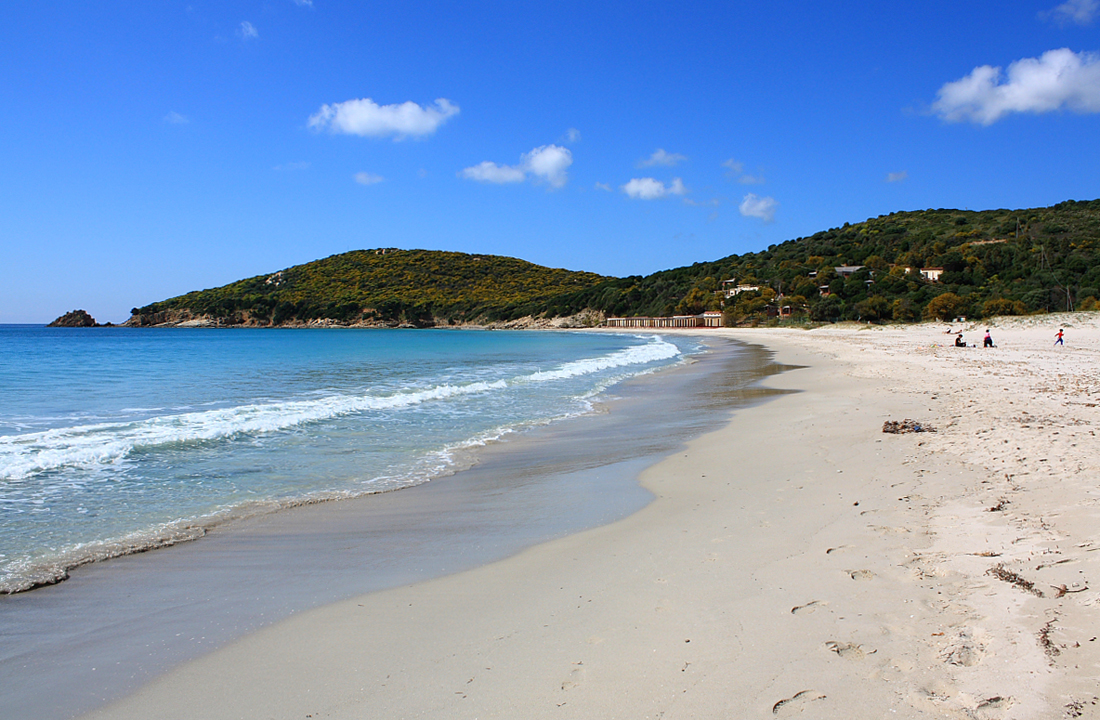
(76, 318)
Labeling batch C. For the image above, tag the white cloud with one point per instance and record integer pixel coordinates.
(897, 176)
(603, 186)
(365, 117)
(304, 3)
(572, 135)
(549, 164)
(735, 167)
(490, 172)
(1059, 79)
(174, 118)
(1082, 12)
(248, 30)
(759, 207)
(652, 189)
(366, 178)
(662, 158)
(751, 180)
(645, 189)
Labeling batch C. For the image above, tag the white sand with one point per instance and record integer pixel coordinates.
(795, 561)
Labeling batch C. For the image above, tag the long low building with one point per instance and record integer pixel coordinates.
(711, 318)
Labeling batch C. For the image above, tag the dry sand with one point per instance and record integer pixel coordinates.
(795, 561)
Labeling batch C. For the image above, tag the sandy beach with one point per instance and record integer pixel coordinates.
(796, 560)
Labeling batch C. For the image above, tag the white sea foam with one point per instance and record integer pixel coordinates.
(103, 444)
(656, 349)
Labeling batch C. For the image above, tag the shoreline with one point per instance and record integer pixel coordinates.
(796, 558)
(29, 571)
(244, 576)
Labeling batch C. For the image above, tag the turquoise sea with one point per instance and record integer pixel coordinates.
(116, 440)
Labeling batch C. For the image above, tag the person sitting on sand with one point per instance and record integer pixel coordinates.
(1058, 341)
(988, 341)
(959, 342)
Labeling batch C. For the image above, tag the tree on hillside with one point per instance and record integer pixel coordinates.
(945, 307)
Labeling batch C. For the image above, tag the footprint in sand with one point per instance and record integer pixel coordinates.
(992, 708)
(849, 651)
(576, 677)
(795, 704)
(808, 608)
(887, 530)
(965, 650)
(861, 574)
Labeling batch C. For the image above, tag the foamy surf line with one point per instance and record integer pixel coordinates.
(103, 444)
(27, 573)
(30, 573)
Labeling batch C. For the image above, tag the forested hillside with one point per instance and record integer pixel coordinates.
(994, 262)
(417, 287)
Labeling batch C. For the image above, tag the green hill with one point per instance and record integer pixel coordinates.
(417, 287)
(994, 262)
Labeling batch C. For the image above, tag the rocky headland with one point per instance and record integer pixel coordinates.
(76, 318)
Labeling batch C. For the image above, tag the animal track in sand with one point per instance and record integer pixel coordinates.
(861, 574)
(796, 703)
(849, 651)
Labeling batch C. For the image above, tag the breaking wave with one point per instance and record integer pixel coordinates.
(103, 444)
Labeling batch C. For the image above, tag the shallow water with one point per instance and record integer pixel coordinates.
(117, 440)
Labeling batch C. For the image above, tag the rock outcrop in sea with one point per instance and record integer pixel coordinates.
(76, 318)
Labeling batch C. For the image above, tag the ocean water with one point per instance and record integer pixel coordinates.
(116, 440)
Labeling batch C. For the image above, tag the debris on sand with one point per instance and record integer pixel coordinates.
(905, 426)
(1000, 572)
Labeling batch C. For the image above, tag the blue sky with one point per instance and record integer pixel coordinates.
(150, 149)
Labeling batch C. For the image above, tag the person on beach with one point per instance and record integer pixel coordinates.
(1058, 341)
(959, 342)
(988, 341)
